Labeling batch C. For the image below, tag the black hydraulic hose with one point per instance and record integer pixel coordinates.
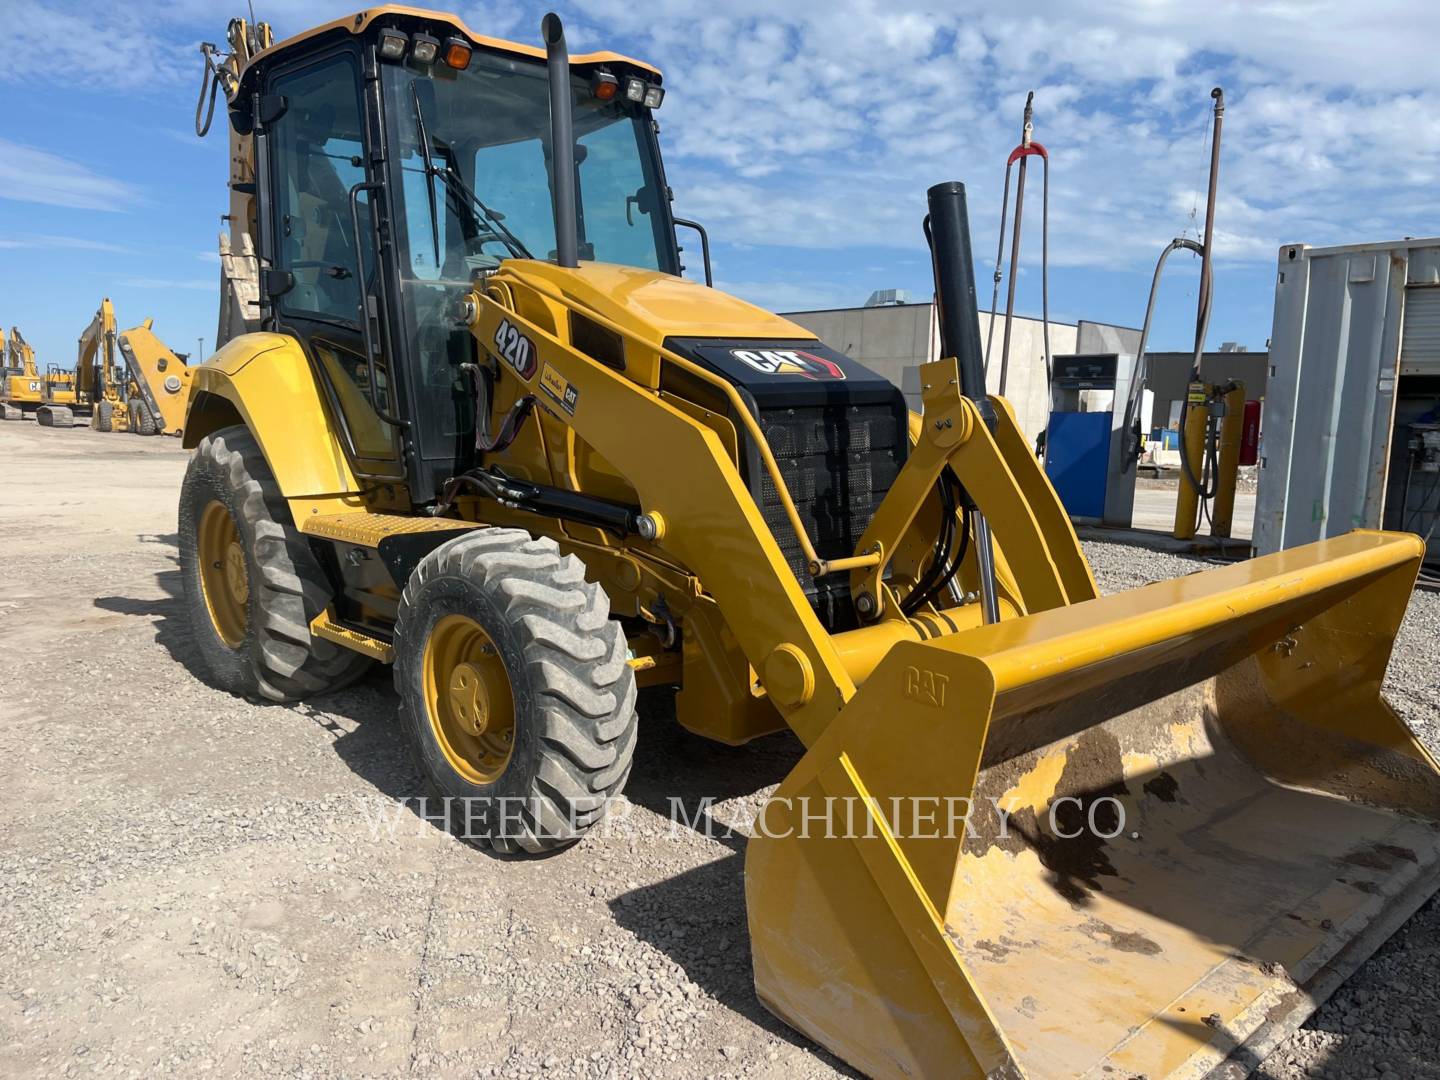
(944, 545)
(209, 80)
(947, 560)
(962, 499)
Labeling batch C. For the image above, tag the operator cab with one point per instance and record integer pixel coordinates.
(399, 157)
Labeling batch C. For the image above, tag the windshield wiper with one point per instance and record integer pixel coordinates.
(429, 170)
(451, 179)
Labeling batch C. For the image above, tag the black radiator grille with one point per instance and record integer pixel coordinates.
(838, 461)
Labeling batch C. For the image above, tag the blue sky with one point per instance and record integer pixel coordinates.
(804, 135)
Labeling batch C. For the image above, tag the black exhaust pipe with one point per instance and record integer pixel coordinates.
(948, 230)
(562, 141)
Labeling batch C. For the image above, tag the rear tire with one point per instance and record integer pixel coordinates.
(250, 601)
(527, 621)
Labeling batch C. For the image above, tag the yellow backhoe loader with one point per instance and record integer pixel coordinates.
(124, 380)
(482, 429)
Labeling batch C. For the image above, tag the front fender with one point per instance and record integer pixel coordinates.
(266, 382)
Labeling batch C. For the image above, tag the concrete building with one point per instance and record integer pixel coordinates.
(893, 337)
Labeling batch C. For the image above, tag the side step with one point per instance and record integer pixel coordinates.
(401, 540)
(370, 530)
(325, 627)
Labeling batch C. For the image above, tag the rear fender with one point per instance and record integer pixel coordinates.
(265, 382)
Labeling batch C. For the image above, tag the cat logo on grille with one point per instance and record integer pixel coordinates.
(790, 362)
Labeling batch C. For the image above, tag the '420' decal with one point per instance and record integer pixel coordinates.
(517, 350)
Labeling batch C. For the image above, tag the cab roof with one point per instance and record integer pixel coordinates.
(400, 14)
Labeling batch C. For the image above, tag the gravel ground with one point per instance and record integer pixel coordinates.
(191, 883)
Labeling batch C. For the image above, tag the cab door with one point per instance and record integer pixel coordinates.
(319, 264)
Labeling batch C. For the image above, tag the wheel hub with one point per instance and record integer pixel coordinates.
(469, 699)
(224, 573)
(236, 577)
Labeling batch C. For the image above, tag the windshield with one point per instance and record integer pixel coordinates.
(489, 134)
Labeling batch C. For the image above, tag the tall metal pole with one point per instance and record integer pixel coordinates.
(1202, 313)
(1026, 133)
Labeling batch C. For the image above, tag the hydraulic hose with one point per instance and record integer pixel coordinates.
(1142, 368)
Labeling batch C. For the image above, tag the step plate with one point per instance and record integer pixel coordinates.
(368, 530)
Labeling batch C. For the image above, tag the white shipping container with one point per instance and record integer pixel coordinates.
(1354, 362)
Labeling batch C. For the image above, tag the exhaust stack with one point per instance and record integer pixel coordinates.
(562, 141)
(949, 228)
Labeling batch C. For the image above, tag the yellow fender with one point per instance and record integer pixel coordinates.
(265, 382)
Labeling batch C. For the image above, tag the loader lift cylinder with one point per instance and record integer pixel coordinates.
(948, 229)
(562, 141)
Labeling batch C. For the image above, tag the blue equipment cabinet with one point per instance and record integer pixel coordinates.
(1085, 440)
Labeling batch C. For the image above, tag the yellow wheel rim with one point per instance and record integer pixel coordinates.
(224, 577)
(468, 699)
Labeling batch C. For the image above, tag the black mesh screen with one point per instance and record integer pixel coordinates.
(838, 462)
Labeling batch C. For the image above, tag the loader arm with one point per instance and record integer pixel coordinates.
(695, 490)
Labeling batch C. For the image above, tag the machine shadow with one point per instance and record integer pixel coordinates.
(697, 917)
(360, 719)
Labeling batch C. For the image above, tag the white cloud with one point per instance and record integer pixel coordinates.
(811, 126)
(821, 126)
(74, 243)
(28, 174)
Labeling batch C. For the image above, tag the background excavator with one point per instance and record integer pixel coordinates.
(23, 387)
(470, 420)
(123, 380)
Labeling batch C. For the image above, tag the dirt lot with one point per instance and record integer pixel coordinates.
(192, 883)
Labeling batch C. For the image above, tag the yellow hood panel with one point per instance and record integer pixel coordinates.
(651, 305)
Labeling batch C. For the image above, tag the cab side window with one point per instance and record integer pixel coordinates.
(317, 147)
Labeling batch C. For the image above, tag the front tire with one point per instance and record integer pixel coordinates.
(514, 689)
(142, 420)
(252, 583)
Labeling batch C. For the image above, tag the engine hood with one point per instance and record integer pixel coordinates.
(651, 305)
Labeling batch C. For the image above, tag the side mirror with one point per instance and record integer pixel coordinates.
(685, 223)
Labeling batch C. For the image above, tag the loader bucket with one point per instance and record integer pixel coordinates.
(1213, 818)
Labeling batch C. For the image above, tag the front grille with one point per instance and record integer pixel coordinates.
(838, 461)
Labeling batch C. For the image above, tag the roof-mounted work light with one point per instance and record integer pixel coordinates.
(392, 43)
